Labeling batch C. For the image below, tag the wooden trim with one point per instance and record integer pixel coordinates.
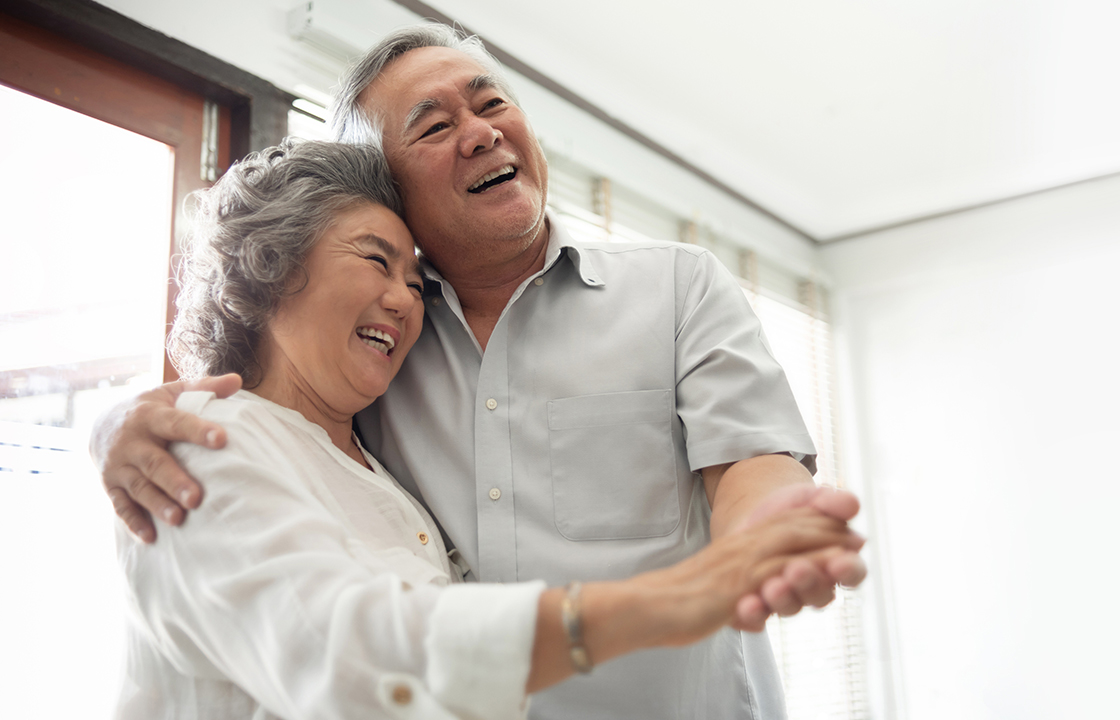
(258, 110)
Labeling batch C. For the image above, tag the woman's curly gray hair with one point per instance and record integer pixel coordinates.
(251, 232)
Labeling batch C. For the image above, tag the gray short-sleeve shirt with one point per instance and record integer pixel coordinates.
(570, 448)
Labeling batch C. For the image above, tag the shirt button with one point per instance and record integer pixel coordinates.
(539, 282)
(495, 493)
(423, 538)
(436, 301)
(491, 404)
(402, 694)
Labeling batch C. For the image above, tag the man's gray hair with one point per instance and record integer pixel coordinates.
(252, 231)
(351, 123)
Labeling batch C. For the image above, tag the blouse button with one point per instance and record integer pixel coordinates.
(491, 404)
(495, 493)
(435, 302)
(423, 537)
(402, 694)
(538, 282)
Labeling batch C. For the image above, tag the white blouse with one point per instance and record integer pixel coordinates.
(306, 586)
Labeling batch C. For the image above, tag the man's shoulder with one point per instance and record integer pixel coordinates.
(652, 248)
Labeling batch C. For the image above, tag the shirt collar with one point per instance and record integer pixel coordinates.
(560, 242)
(559, 239)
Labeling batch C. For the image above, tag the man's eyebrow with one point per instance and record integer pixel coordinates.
(487, 81)
(419, 110)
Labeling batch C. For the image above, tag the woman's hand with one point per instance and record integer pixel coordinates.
(686, 602)
(129, 446)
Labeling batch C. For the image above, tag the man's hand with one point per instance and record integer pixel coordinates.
(129, 446)
(803, 582)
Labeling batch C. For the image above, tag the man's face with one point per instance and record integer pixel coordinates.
(472, 176)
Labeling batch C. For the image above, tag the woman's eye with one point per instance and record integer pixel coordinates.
(379, 260)
(418, 287)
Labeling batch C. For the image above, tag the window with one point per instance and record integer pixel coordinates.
(98, 157)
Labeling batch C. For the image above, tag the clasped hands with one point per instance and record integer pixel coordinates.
(805, 580)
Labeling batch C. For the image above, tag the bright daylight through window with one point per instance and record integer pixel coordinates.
(86, 210)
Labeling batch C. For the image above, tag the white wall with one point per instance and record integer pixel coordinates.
(979, 363)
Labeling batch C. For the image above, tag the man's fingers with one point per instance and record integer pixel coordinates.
(223, 386)
(154, 500)
(160, 469)
(177, 426)
(135, 518)
(836, 503)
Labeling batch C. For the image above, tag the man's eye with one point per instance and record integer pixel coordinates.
(434, 129)
(496, 102)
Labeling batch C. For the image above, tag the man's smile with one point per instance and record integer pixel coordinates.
(492, 178)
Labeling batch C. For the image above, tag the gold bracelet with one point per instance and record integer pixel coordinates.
(571, 617)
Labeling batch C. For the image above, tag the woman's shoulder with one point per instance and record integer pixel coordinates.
(241, 407)
(254, 426)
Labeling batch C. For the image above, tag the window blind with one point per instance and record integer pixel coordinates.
(820, 653)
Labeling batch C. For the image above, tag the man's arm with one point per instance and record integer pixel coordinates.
(129, 446)
(745, 492)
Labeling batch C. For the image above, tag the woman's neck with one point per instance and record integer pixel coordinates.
(288, 389)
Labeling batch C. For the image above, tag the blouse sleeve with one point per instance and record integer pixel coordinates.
(260, 586)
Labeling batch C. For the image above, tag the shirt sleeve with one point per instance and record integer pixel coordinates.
(261, 586)
(732, 395)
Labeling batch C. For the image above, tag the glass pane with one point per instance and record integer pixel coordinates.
(85, 227)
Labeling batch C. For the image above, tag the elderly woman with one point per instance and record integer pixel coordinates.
(310, 584)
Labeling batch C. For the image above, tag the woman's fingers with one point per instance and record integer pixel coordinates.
(750, 614)
(848, 569)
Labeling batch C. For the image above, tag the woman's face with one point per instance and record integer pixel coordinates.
(342, 338)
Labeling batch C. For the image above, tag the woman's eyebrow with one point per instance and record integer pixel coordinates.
(412, 262)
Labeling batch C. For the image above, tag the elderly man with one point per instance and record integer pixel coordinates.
(570, 411)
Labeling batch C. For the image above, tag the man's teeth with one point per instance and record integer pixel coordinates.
(377, 340)
(490, 176)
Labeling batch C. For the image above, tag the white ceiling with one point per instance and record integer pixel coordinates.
(840, 117)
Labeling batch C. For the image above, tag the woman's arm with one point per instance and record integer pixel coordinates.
(264, 586)
(686, 602)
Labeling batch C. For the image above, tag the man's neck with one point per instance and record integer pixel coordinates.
(485, 292)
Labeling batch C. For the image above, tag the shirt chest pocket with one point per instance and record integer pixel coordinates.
(613, 468)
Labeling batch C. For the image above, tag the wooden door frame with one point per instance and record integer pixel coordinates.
(54, 50)
(258, 109)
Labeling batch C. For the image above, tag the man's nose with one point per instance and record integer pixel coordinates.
(478, 136)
